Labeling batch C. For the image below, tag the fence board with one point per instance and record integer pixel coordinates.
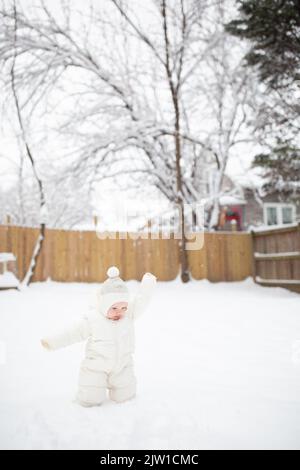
(283, 268)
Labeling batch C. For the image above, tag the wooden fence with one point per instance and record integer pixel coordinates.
(77, 256)
(276, 257)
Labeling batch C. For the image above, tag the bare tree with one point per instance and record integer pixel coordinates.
(230, 93)
(39, 244)
(131, 83)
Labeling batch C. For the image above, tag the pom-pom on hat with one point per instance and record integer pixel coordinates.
(112, 290)
(113, 272)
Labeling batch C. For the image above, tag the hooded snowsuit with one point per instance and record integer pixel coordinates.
(108, 362)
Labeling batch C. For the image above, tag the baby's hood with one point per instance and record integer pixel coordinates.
(113, 290)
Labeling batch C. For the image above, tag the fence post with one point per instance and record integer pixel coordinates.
(253, 256)
(8, 241)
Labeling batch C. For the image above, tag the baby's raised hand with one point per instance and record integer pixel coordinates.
(45, 344)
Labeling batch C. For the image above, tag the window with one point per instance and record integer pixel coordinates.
(272, 216)
(287, 215)
(277, 213)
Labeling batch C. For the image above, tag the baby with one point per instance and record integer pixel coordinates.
(109, 328)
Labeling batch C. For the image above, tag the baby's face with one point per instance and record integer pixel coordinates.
(117, 311)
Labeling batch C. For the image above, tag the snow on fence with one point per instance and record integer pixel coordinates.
(80, 256)
(8, 277)
(276, 256)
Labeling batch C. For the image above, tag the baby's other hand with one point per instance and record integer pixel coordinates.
(149, 276)
(45, 344)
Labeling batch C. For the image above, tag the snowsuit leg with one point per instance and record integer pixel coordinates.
(122, 383)
(92, 385)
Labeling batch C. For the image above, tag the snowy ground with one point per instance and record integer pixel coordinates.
(218, 366)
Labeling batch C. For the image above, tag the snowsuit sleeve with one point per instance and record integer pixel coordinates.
(78, 331)
(144, 294)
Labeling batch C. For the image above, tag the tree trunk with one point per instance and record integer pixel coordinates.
(35, 255)
(183, 256)
(39, 244)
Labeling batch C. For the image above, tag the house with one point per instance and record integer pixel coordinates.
(251, 207)
(270, 209)
(232, 206)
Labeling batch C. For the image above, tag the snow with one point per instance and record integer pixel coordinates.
(278, 281)
(231, 200)
(5, 257)
(8, 279)
(264, 227)
(282, 254)
(217, 364)
(249, 178)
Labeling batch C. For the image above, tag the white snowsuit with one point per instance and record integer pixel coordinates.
(108, 361)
